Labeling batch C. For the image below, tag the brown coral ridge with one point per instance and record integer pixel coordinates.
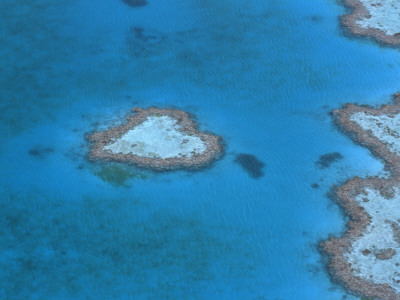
(360, 12)
(102, 138)
(335, 248)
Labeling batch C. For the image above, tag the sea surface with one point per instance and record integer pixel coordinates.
(263, 74)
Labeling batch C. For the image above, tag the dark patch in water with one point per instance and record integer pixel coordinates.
(326, 160)
(315, 185)
(314, 269)
(142, 42)
(250, 164)
(40, 152)
(145, 36)
(135, 3)
(316, 19)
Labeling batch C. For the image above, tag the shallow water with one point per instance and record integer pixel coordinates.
(262, 74)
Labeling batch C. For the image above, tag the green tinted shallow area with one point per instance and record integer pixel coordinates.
(117, 174)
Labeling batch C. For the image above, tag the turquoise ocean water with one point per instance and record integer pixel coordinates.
(262, 74)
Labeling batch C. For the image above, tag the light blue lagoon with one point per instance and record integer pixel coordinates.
(264, 75)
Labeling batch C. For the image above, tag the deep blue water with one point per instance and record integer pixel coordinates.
(262, 74)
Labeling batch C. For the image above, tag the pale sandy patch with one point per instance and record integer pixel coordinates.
(378, 238)
(158, 137)
(386, 128)
(383, 15)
